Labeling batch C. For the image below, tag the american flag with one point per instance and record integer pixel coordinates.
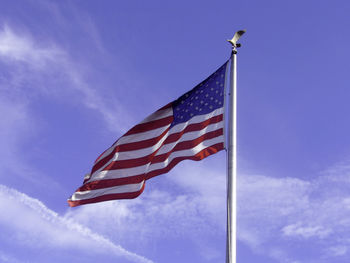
(189, 128)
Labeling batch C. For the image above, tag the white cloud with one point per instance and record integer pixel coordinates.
(189, 205)
(47, 64)
(339, 250)
(24, 49)
(149, 217)
(35, 72)
(5, 257)
(286, 213)
(32, 224)
(16, 127)
(306, 231)
(276, 216)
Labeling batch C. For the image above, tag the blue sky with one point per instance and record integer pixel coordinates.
(75, 75)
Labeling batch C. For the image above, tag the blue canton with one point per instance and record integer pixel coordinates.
(203, 99)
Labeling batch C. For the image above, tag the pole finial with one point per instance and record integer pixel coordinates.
(235, 38)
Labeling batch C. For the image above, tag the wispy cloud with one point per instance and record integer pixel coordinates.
(17, 126)
(22, 48)
(281, 213)
(32, 224)
(190, 205)
(46, 63)
(276, 216)
(33, 69)
(5, 257)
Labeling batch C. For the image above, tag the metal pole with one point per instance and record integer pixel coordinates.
(231, 167)
(231, 254)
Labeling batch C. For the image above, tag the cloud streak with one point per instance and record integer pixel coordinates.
(276, 216)
(32, 224)
(189, 206)
(280, 213)
(45, 61)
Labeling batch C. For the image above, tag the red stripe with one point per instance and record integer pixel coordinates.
(107, 197)
(165, 107)
(188, 145)
(132, 146)
(197, 157)
(136, 179)
(128, 147)
(171, 138)
(151, 158)
(193, 127)
(143, 127)
(146, 159)
(150, 142)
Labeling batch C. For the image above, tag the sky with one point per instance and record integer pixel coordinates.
(75, 75)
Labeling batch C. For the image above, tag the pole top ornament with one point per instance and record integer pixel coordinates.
(235, 38)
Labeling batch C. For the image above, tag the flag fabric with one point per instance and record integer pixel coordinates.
(191, 127)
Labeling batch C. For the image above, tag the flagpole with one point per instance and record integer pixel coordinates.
(231, 230)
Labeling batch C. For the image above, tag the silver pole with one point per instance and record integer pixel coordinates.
(231, 237)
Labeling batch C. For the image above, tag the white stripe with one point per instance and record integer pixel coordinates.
(177, 128)
(196, 119)
(190, 136)
(147, 135)
(125, 156)
(156, 132)
(121, 173)
(135, 138)
(151, 134)
(147, 151)
(160, 114)
(139, 153)
(127, 172)
(186, 153)
(128, 188)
